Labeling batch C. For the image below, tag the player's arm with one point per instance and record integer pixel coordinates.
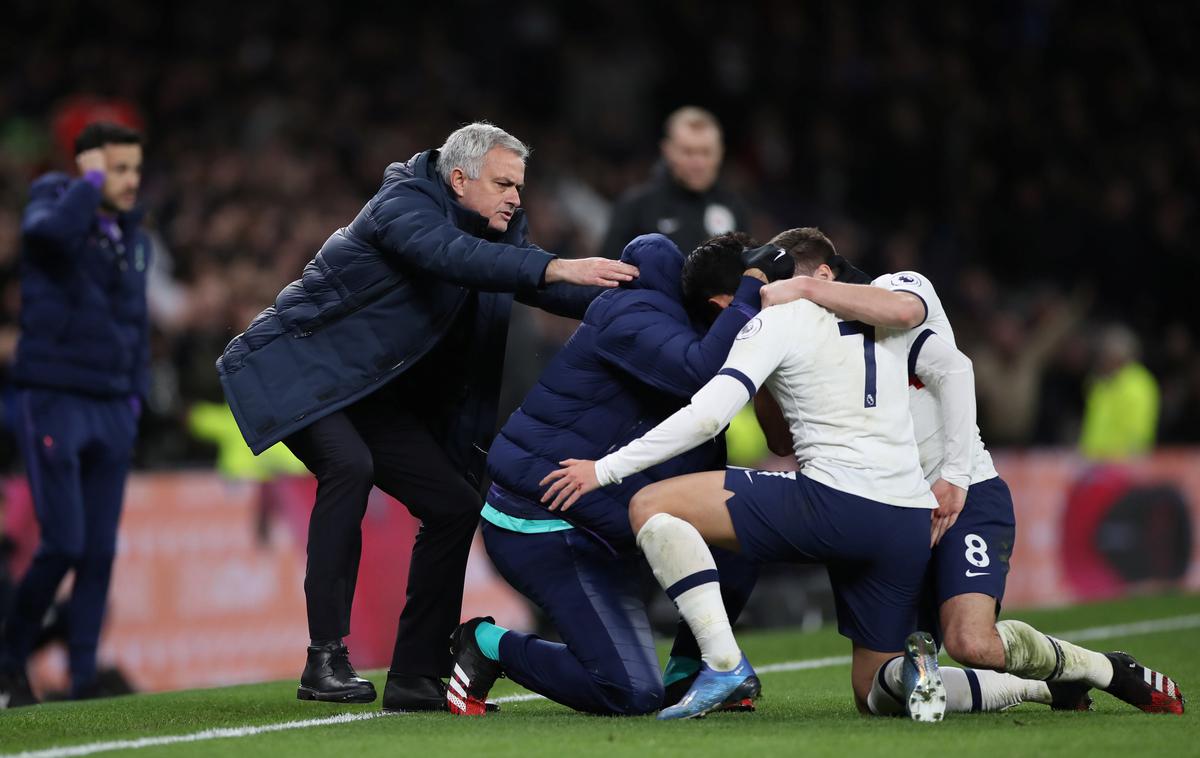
(753, 358)
(59, 215)
(947, 373)
(893, 309)
(773, 424)
(658, 350)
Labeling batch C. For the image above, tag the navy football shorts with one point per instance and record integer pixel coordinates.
(973, 555)
(876, 554)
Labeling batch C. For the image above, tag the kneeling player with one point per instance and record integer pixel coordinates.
(859, 504)
(970, 561)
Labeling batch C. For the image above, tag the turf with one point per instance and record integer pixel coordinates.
(807, 712)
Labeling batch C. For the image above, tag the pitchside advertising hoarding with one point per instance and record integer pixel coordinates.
(208, 583)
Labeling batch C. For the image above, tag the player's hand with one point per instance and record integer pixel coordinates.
(591, 272)
(785, 291)
(569, 484)
(951, 499)
(773, 261)
(91, 160)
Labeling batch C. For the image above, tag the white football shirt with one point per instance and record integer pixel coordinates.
(927, 412)
(843, 394)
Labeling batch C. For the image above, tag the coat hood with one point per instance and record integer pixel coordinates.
(660, 265)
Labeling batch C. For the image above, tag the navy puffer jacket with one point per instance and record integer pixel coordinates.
(380, 294)
(84, 324)
(636, 359)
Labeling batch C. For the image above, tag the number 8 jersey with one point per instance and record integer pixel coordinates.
(927, 412)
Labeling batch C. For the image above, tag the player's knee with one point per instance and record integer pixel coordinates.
(637, 699)
(647, 502)
(967, 646)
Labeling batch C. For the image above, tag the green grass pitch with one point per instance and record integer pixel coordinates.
(805, 712)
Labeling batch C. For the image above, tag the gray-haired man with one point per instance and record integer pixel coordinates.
(381, 367)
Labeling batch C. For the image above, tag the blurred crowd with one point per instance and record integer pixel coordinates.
(1039, 161)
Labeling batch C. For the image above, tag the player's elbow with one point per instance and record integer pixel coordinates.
(780, 446)
(907, 312)
(709, 426)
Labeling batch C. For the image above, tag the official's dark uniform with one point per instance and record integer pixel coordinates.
(82, 372)
(661, 205)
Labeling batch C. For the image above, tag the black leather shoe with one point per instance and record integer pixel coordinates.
(404, 693)
(14, 689)
(329, 677)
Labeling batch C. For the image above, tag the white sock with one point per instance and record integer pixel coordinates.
(1030, 654)
(684, 566)
(967, 690)
(886, 695)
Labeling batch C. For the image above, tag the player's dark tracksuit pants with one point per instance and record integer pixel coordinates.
(378, 441)
(606, 663)
(77, 453)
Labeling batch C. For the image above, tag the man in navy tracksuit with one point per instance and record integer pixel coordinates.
(636, 358)
(82, 372)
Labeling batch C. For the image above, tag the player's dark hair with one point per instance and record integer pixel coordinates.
(808, 246)
(713, 268)
(101, 133)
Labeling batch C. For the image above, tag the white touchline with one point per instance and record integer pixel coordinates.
(1152, 626)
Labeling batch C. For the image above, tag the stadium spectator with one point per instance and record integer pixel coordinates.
(1009, 368)
(684, 199)
(1121, 413)
(82, 368)
(381, 366)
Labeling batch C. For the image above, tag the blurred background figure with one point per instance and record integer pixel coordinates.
(684, 199)
(82, 367)
(1121, 413)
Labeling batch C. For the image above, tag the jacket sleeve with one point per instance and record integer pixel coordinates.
(664, 353)
(412, 227)
(561, 299)
(58, 216)
(622, 227)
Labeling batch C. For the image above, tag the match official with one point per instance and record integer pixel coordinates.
(684, 199)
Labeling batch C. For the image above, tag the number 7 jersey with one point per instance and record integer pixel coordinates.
(844, 397)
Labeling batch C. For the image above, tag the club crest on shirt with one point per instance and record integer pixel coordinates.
(718, 219)
(906, 280)
(752, 327)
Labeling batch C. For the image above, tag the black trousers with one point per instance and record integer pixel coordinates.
(378, 441)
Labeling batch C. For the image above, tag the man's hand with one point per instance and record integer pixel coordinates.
(950, 503)
(91, 160)
(773, 261)
(785, 291)
(591, 272)
(570, 483)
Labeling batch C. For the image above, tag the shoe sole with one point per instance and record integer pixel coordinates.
(337, 696)
(927, 701)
